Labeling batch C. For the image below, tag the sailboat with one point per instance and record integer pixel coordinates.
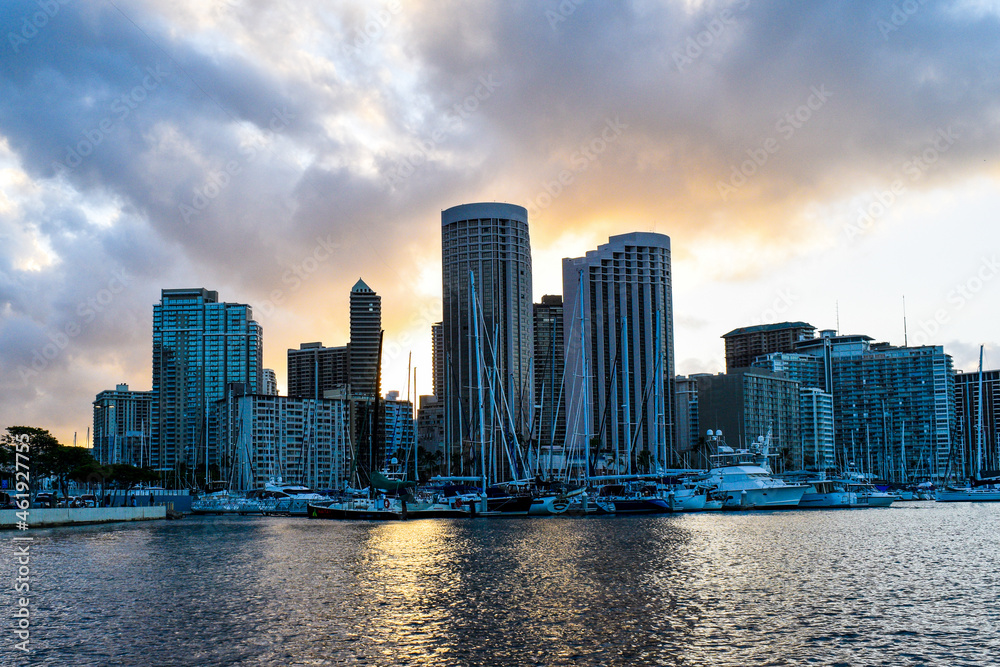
(977, 491)
(385, 499)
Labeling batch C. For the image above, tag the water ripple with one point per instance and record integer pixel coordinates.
(910, 585)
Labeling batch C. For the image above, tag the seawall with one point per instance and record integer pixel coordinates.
(71, 516)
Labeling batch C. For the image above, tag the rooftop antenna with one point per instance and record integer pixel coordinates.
(904, 322)
(838, 316)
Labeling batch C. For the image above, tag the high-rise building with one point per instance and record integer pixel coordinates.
(121, 426)
(486, 243)
(806, 369)
(270, 382)
(299, 440)
(366, 327)
(966, 446)
(816, 448)
(398, 433)
(745, 344)
(200, 347)
(893, 406)
(550, 364)
(747, 402)
(314, 370)
(430, 424)
(621, 389)
(686, 419)
(437, 358)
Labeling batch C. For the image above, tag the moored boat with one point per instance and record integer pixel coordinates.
(839, 493)
(368, 509)
(633, 498)
(743, 477)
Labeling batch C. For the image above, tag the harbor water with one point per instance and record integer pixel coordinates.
(914, 584)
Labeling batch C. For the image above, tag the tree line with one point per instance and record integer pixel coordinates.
(46, 457)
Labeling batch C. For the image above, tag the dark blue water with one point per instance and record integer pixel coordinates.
(914, 584)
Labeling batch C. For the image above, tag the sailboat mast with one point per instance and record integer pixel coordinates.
(583, 385)
(979, 418)
(902, 454)
(413, 420)
(479, 383)
(868, 448)
(625, 391)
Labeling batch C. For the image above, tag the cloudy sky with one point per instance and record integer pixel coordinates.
(806, 159)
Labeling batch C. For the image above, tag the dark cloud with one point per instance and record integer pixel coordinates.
(226, 145)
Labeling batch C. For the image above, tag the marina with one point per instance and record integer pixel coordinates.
(913, 584)
(530, 333)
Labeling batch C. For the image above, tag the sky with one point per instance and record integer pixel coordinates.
(825, 161)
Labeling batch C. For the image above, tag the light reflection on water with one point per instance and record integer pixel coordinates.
(910, 585)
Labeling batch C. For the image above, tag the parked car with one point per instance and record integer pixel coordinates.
(44, 500)
(88, 500)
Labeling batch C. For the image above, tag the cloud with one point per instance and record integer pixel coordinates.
(276, 151)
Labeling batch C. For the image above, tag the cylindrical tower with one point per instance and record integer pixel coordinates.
(490, 240)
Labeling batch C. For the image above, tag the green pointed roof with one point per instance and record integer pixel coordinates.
(360, 286)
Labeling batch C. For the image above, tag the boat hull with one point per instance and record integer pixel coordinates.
(588, 506)
(508, 505)
(968, 496)
(347, 512)
(639, 505)
(882, 500)
(772, 497)
(846, 500)
(686, 500)
(548, 505)
(825, 500)
(455, 509)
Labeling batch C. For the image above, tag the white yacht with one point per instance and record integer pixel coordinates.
(865, 494)
(968, 495)
(684, 495)
(744, 478)
(849, 491)
(290, 498)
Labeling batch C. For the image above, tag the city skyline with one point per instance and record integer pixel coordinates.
(177, 145)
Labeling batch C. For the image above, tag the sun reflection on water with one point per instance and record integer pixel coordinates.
(914, 585)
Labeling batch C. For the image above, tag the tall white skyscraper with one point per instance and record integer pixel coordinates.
(487, 242)
(620, 389)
